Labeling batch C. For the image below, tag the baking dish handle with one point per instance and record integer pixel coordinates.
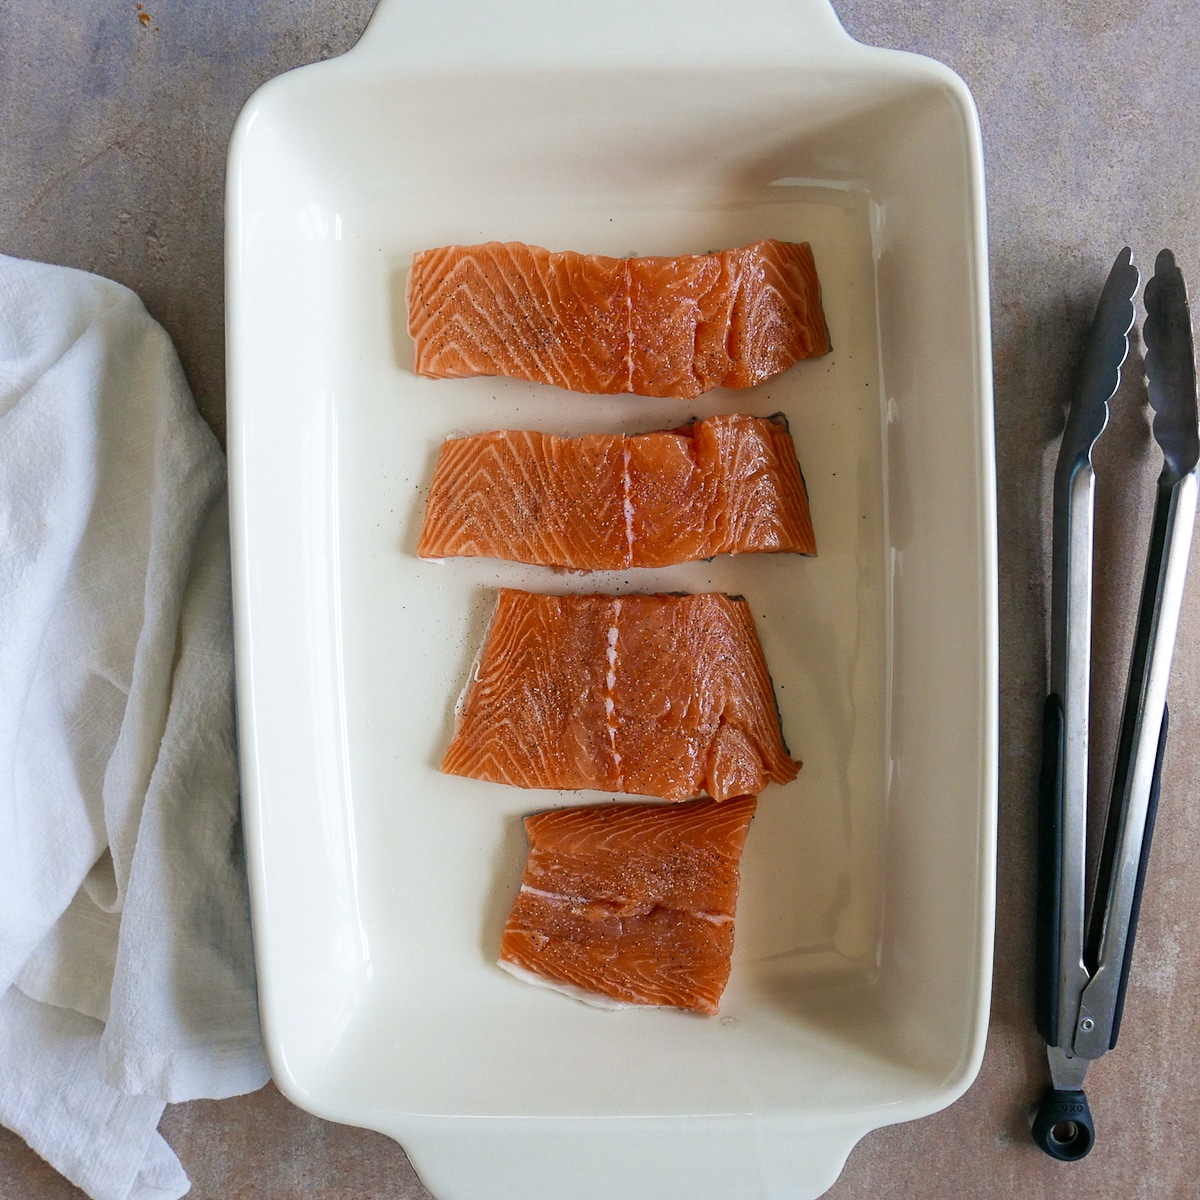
(483, 34)
(644, 1158)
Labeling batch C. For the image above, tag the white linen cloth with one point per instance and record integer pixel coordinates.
(126, 971)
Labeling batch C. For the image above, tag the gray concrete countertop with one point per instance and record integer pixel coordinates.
(112, 143)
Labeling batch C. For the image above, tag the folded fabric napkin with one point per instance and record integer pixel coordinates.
(126, 972)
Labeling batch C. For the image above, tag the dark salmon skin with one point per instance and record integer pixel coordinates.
(665, 696)
(727, 485)
(633, 902)
(653, 326)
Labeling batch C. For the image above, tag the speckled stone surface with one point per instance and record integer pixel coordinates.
(112, 142)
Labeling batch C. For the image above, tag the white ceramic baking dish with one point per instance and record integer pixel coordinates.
(860, 985)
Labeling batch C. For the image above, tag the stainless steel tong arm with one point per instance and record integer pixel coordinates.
(1071, 620)
(1070, 681)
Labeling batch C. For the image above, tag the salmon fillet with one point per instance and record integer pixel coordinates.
(663, 696)
(728, 485)
(634, 902)
(655, 326)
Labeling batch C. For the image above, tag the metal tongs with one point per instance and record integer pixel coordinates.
(1083, 967)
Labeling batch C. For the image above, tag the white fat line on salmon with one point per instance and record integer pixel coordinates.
(628, 503)
(559, 898)
(629, 320)
(610, 683)
(554, 895)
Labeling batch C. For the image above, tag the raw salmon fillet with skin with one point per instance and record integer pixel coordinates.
(631, 902)
(665, 696)
(726, 485)
(665, 326)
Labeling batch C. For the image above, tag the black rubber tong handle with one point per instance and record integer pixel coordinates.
(1049, 863)
(1063, 1125)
